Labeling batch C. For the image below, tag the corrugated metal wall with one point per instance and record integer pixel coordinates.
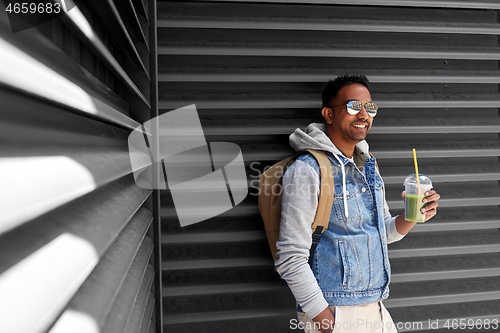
(76, 233)
(255, 70)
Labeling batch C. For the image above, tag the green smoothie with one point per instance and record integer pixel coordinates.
(413, 204)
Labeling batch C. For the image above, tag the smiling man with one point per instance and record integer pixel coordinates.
(342, 290)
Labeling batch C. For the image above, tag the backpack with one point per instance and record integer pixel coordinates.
(270, 191)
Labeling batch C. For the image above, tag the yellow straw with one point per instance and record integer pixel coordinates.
(416, 166)
(416, 171)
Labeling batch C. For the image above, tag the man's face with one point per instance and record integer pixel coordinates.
(348, 129)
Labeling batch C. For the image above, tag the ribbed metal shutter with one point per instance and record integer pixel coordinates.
(77, 234)
(255, 70)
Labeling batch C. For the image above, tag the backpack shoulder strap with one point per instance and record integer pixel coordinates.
(326, 192)
(325, 201)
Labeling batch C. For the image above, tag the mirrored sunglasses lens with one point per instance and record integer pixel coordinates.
(371, 107)
(353, 107)
(357, 105)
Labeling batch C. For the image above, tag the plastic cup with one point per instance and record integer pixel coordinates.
(414, 197)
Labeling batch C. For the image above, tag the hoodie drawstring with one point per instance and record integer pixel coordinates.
(346, 211)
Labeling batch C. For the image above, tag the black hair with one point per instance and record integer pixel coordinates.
(333, 87)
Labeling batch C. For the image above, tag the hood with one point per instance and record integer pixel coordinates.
(314, 137)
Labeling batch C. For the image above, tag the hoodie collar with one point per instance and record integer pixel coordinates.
(314, 137)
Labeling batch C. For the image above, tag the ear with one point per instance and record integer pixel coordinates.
(327, 114)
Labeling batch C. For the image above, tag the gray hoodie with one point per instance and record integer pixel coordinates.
(296, 220)
(315, 138)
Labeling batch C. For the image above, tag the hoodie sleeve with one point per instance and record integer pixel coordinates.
(390, 225)
(299, 205)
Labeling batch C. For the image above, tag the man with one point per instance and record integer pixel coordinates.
(350, 273)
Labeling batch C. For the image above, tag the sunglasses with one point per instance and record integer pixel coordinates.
(353, 107)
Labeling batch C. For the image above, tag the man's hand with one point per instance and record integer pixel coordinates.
(431, 199)
(326, 320)
(430, 210)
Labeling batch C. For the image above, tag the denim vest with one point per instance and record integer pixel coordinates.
(351, 262)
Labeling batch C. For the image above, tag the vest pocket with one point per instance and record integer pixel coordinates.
(345, 261)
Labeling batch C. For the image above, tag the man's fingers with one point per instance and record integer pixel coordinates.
(432, 206)
(430, 214)
(430, 209)
(431, 196)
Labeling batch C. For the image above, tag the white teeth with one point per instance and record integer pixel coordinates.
(363, 126)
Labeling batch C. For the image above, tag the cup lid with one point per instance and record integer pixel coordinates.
(412, 179)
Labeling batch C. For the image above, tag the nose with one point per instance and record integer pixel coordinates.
(362, 114)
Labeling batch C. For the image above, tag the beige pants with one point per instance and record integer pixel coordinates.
(368, 318)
